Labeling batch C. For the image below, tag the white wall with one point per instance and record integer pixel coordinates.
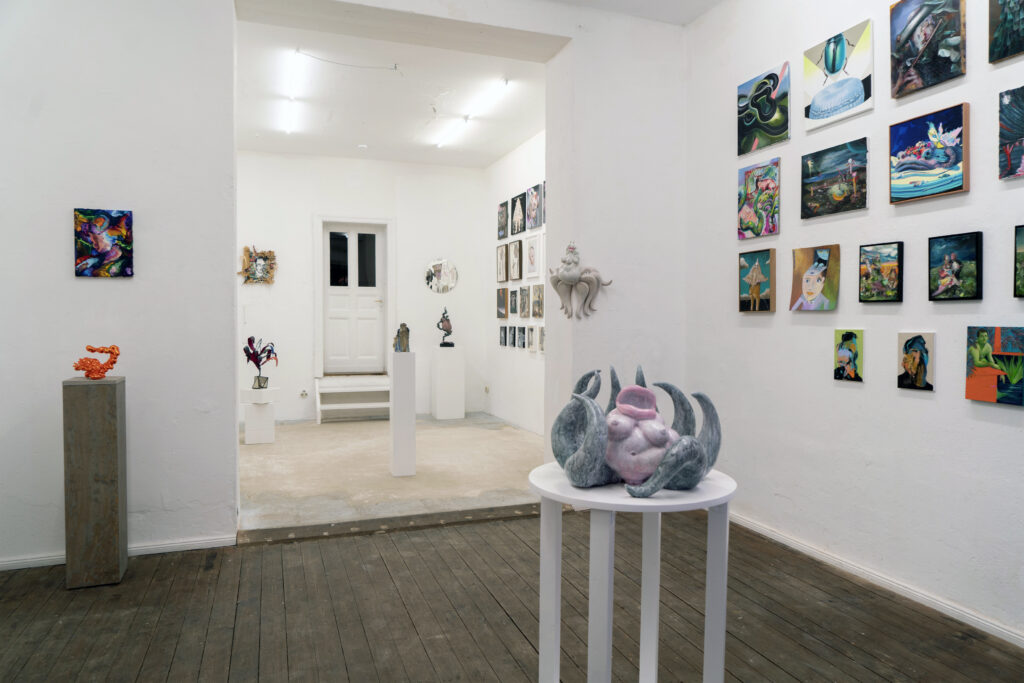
(516, 376)
(435, 211)
(921, 489)
(139, 117)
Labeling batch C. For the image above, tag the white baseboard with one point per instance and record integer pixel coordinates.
(148, 549)
(947, 608)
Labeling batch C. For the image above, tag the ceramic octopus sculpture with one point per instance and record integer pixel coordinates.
(570, 277)
(629, 441)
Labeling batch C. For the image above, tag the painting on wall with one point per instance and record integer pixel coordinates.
(834, 180)
(513, 297)
(502, 220)
(515, 260)
(1005, 29)
(258, 267)
(544, 201)
(927, 44)
(1011, 133)
(955, 267)
(502, 253)
(104, 243)
(533, 255)
(518, 213)
(1018, 261)
(524, 302)
(537, 309)
(503, 302)
(521, 337)
(759, 200)
(757, 281)
(512, 336)
(503, 336)
(531, 339)
(929, 155)
(881, 272)
(540, 339)
(815, 278)
(837, 76)
(995, 365)
(849, 356)
(762, 105)
(915, 354)
(535, 207)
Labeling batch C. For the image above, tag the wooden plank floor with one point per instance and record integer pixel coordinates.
(460, 604)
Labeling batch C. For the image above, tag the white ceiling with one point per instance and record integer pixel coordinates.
(680, 12)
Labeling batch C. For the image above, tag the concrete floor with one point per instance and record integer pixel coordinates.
(338, 471)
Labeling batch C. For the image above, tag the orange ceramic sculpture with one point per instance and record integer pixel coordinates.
(92, 367)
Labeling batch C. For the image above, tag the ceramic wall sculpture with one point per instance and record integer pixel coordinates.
(401, 342)
(445, 325)
(629, 441)
(570, 277)
(258, 353)
(93, 368)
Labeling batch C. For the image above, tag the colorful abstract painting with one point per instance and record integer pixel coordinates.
(834, 180)
(815, 278)
(1005, 29)
(849, 356)
(837, 76)
(928, 155)
(103, 243)
(916, 360)
(1011, 133)
(955, 267)
(762, 106)
(758, 199)
(995, 365)
(1018, 261)
(927, 44)
(757, 281)
(881, 272)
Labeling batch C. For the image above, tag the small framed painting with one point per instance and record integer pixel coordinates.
(995, 365)
(258, 267)
(104, 246)
(1011, 133)
(503, 336)
(757, 281)
(537, 307)
(534, 207)
(929, 155)
(1005, 31)
(521, 337)
(837, 76)
(763, 110)
(502, 220)
(524, 302)
(515, 260)
(881, 272)
(955, 267)
(512, 336)
(502, 263)
(849, 358)
(916, 356)
(518, 213)
(927, 44)
(1018, 261)
(834, 180)
(531, 339)
(815, 279)
(513, 297)
(531, 261)
(759, 200)
(540, 339)
(503, 302)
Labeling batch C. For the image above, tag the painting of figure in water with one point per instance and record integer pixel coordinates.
(1011, 133)
(757, 281)
(762, 110)
(995, 365)
(815, 279)
(927, 44)
(955, 267)
(916, 357)
(837, 76)
(928, 156)
(834, 180)
(758, 199)
(881, 272)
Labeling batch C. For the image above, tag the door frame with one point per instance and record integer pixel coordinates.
(391, 310)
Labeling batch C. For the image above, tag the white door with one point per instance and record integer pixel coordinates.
(354, 291)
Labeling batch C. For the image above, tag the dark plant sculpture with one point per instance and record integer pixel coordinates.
(629, 441)
(258, 353)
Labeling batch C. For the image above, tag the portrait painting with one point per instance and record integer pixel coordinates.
(502, 252)
(538, 301)
(815, 279)
(915, 355)
(515, 260)
(995, 365)
(927, 44)
(513, 297)
(881, 272)
(524, 302)
(758, 199)
(512, 336)
(531, 260)
(521, 337)
(762, 106)
(534, 207)
(929, 155)
(955, 267)
(258, 267)
(518, 214)
(503, 302)
(834, 180)
(104, 244)
(1011, 132)
(502, 220)
(837, 76)
(1005, 29)
(503, 336)
(1018, 261)
(757, 281)
(849, 356)
(531, 339)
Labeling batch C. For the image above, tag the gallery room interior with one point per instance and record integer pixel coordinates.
(334, 423)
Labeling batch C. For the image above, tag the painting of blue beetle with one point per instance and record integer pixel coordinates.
(838, 77)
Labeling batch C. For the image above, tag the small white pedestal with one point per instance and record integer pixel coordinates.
(259, 415)
(403, 414)
(448, 385)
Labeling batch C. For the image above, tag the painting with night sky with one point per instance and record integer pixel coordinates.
(1011, 133)
(103, 243)
(762, 105)
(929, 155)
(955, 267)
(834, 180)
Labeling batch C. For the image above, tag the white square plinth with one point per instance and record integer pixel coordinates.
(448, 385)
(403, 414)
(259, 415)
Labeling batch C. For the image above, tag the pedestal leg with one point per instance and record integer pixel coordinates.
(550, 591)
(602, 570)
(715, 593)
(650, 597)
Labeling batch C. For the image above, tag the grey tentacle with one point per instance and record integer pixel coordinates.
(616, 388)
(640, 379)
(684, 422)
(710, 436)
(586, 466)
(682, 468)
(583, 382)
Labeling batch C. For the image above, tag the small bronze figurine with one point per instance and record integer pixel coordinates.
(445, 325)
(401, 342)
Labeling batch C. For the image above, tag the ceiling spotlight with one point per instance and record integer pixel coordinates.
(452, 131)
(481, 105)
(291, 116)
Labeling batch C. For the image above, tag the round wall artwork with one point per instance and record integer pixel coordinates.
(442, 276)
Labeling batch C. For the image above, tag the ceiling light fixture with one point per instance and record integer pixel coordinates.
(482, 104)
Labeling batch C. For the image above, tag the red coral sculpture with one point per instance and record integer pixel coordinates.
(258, 353)
(95, 369)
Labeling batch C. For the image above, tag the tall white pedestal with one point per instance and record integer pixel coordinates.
(259, 415)
(403, 414)
(448, 385)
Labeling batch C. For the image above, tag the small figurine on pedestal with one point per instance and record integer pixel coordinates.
(401, 341)
(445, 325)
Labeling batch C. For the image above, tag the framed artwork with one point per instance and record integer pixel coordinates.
(515, 260)
(518, 213)
(1018, 261)
(849, 357)
(1011, 133)
(834, 180)
(512, 336)
(502, 263)
(503, 302)
(881, 272)
(762, 106)
(928, 155)
(544, 200)
(838, 77)
(537, 307)
(540, 339)
(759, 200)
(503, 336)
(104, 244)
(915, 353)
(502, 220)
(258, 267)
(531, 339)
(927, 44)
(524, 302)
(531, 262)
(1005, 29)
(521, 337)
(535, 207)
(995, 365)
(512, 301)
(955, 267)
(757, 281)
(815, 279)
